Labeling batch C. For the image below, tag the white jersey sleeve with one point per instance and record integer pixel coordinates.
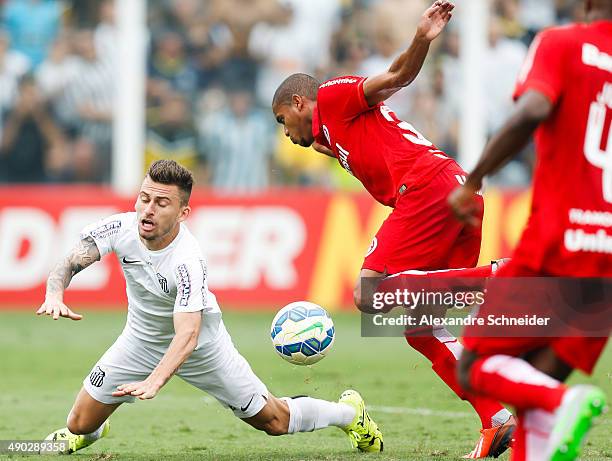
(105, 232)
(191, 287)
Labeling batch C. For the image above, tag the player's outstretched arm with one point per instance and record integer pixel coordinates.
(186, 332)
(408, 64)
(81, 256)
(532, 108)
(322, 149)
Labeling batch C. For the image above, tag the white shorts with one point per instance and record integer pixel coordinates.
(215, 367)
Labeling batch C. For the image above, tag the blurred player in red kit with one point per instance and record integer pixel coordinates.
(346, 118)
(564, 94)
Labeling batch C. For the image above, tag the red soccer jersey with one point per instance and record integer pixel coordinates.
(384, 153)
(570, 228)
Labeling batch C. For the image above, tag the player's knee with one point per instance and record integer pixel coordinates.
(357, 297)
(74, 423)
(360, 301)
(274, 427)
(77, 424)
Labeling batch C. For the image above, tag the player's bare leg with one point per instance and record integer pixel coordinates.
(273, 418)
(87, 414)
(442, 349)
(548, 362)
(306, 414)
(86, 423)
(361, 300)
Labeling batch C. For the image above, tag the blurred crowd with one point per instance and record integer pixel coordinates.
(212, 69)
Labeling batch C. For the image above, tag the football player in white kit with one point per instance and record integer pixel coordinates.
(174, 326)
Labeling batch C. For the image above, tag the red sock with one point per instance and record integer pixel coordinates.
(518, 446)
(515, 382)
(473, 278)
(442, 351)
(480, 271)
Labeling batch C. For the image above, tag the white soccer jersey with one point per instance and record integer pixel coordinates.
(158, 283)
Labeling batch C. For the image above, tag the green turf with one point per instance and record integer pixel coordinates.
(43, 363)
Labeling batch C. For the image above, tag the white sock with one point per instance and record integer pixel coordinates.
(446, 338)
(538, 425)
(307, 414)
(95, 435)
(500, 417)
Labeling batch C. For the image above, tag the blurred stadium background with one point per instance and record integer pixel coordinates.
(92, 91)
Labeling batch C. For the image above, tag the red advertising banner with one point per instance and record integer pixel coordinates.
(263, 251)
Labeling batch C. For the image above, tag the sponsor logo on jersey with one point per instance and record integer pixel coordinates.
(590, 217)
(338, 81)
(265, 397)
(326, 133)
(96, 378)
(372, 247)
(163, 283)
(129, 261)
(184, 285)
(204, 295)
(594, 57)
(578, 240)
(246, 407)
(106, 230)
(343, 156)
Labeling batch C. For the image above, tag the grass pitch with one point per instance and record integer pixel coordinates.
(43, 363)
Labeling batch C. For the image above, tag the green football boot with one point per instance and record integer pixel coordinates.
(75, 442)
(363, 432)
(573, 419)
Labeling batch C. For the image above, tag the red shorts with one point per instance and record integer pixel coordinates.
(421, 233)
(579, 352)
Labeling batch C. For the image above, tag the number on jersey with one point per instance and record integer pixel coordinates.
(411, 134)
(598, 157)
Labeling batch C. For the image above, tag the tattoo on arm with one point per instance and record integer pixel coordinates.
(84, 254)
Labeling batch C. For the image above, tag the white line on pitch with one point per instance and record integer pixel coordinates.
(419, 411)
(397, 410)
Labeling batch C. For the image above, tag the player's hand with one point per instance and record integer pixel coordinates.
(144, 390)
(57, 309)
(465, 206)
(435, 19)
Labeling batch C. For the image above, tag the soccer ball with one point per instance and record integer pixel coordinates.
(302, 333)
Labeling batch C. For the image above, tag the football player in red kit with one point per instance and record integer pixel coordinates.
(346, 118)
(564, 94)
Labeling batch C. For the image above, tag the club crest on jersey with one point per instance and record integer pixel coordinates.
(96, 378)
(372, 247)
(163, 283)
